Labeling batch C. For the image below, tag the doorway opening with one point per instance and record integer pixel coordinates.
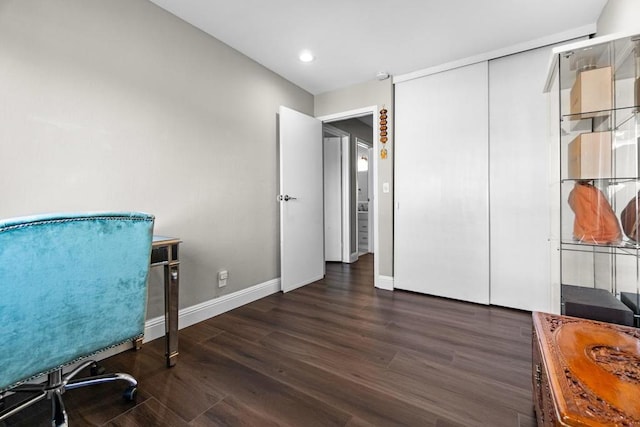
(364, 184)
(350, 185)
(337, 182)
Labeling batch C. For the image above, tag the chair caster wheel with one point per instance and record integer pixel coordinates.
(130, 393)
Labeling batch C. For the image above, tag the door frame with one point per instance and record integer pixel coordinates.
(352, 114)
(346, 182)
(370, 194)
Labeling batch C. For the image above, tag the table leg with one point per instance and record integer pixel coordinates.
(171, 288)
(137, 343)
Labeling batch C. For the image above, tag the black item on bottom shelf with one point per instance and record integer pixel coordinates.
(595, 304)
(631, 300)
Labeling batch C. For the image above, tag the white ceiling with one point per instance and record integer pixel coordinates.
(354, 39)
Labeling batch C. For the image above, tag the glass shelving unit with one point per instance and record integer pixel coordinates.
(597, 84)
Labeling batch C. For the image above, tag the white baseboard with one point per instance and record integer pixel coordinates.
(154, 328)
(354, 257)
(384, 282)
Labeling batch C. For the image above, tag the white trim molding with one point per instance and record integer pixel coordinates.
(358, 112)
(154, 328)
(384, 282)
(510, 50)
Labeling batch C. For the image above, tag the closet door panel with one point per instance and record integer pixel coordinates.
(441, 185)
(519, 181)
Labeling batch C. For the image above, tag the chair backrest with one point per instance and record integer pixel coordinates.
(70, 286)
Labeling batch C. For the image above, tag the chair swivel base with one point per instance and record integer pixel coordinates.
(57, 384)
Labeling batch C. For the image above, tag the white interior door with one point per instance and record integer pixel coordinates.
(332, 199)
(301, 201)
(519, 177)
(442, 186)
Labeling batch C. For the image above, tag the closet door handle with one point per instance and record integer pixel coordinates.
(286, 198)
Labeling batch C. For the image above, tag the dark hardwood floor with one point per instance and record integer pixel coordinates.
(334, 353)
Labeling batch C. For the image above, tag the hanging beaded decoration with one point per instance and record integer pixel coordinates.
(383, 132)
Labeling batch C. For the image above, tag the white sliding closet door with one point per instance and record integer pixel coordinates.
(519, 177)
(441, 185)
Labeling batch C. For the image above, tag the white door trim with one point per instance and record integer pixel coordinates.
(351, 114)
(359, 112)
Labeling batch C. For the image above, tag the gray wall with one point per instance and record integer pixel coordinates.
(118, 105)
(619, 16)
(360, 96)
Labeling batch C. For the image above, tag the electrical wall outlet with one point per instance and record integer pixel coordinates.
(222, 278)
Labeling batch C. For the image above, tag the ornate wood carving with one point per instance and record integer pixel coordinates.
(621, 363)
(590, 372)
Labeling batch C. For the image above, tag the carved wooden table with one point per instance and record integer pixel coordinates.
(585, 373)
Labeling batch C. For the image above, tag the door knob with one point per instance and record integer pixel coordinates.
(286, 198)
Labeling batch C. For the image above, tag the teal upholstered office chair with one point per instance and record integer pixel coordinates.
(70, 286)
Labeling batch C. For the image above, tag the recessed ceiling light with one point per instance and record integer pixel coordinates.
(306, 56)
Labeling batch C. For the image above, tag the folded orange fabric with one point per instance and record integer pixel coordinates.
(595, 221)
(630, 217)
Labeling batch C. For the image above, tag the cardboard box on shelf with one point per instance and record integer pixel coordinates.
(590, 156)
(591, 91)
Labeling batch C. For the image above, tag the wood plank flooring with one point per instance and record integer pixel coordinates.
(337, 352)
